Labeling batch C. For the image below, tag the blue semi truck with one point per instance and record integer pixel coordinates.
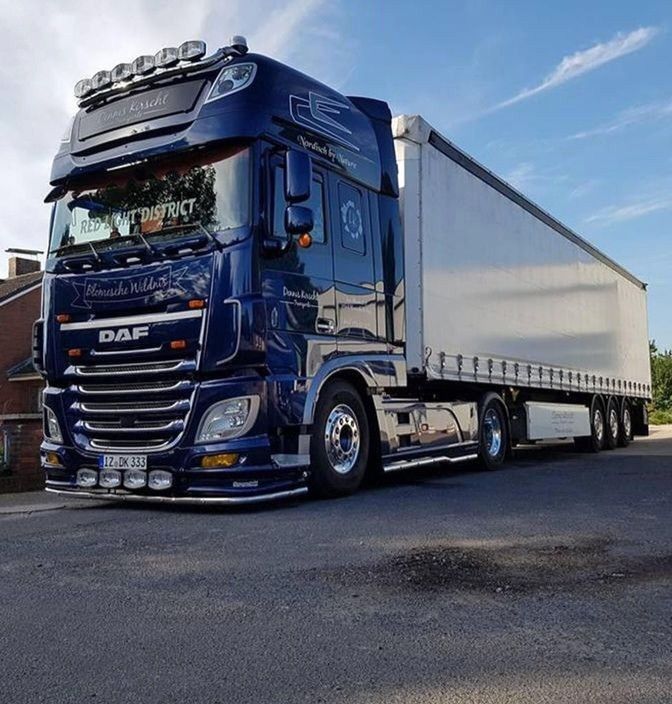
(257, 287)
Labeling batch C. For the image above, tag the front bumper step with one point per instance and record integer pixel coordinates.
(182, 500)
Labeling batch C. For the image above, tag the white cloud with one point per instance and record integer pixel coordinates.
(581, 62)
(52, 45)
(615, 214)
(651, 112)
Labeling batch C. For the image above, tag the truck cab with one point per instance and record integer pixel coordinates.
(225, 237)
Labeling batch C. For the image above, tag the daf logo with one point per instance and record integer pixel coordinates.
(123, 334)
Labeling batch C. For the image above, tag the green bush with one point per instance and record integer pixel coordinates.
(657, 417)
(660, 409)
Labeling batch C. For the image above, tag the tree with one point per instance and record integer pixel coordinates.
(661, 377)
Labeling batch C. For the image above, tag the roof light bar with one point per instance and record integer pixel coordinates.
(169, 60)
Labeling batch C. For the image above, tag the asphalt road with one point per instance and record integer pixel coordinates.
(550, 581)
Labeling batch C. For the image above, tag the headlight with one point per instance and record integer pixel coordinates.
(228, 419)
(231, 80)
(52, 429)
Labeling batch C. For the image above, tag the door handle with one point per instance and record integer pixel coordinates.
(325, 325)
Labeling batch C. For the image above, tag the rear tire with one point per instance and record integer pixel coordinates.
(493, 438)
(339, 448)
(612, 426)
(625, 434)
(595, 441)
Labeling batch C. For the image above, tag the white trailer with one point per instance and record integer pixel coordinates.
(499, 293)
(498, 290)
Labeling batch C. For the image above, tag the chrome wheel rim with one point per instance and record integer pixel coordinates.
(627, 423)
(598, 424)
(493, 432)
(341, 438)
(613, 423)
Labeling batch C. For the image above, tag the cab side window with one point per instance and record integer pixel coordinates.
(353, 223)
(315, 203)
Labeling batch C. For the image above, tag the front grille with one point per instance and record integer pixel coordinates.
(131, 415)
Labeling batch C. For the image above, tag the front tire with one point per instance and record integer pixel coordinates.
(340, 442)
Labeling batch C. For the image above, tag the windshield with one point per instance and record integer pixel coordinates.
(156, 199)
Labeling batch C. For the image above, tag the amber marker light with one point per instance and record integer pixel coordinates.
(53, 458)
(63, 318)
(75, 352)
(305, 240)
(178, 344)
(222, 460)
(196, 303)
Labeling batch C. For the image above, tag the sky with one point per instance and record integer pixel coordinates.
(570, 102)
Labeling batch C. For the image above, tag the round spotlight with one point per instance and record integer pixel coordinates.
(135, 479)
(160, 480)
(109, 478)
(86, 478)
(191, 51)
(143, 65)
(83, 88)
(101, 80)
(121, 72)
(166, 57)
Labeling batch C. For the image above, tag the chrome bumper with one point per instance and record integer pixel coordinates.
(182, 500)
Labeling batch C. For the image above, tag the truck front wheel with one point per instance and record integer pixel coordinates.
(340, 442)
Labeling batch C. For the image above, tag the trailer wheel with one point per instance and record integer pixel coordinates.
(625, 434)
(595, 441)
(493, 440)
(612, 426)
(340, 442)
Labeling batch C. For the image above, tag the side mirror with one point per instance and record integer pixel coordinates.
(298, 220)
(298, 176)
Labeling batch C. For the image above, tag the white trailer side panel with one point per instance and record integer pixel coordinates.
(498, 291)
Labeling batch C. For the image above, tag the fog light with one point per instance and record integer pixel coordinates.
(159, 480)
(109, 478)
(87, 478)
(224, 459)
(135, 479)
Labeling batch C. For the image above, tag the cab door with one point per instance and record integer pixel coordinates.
(298, 286)
(353, 251)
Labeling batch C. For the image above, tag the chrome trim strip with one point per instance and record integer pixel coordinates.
(106, 353)
(176, 425)
(158, 367)
(91, 390)
(55, 482)
(157, 446)
(121, 408)
(132, 320)
(409, 464)
(184, 500)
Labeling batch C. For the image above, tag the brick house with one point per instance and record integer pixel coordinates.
(20, 385)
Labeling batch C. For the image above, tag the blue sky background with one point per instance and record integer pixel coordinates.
(571, 102)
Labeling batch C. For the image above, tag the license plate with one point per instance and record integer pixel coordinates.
(122, 462)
